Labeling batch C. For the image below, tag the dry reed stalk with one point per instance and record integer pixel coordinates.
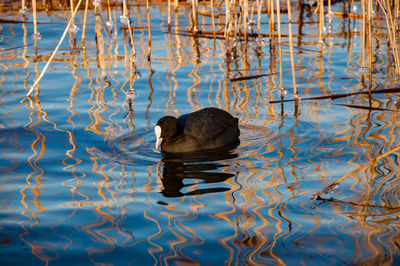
(148, 30)
(278, 16)
(125, 12)
(291, 51)
(330, 187)
(235, 20)
(195, 8)
(227, 30)
(259, 6)
(71, 5)
(363, 34)
(329, 15)
(70, 22)
(84, 23)
(391, 30)
(228, 19)
(108, 11)
(396, 17)
(370, 59)
(273, 7)
(212, 16)
(169, 13)
(271, 16)
(132, 60)
(245, 5)
(259, 13)
(251, 16)
(321, 17)
(35, 32)
(227, 15)
(96, 6)
(23, 7)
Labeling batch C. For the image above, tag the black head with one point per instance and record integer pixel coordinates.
(170, 127)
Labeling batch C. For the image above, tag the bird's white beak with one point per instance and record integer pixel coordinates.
(157, 131)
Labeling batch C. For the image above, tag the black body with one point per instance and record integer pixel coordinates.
(204, 130)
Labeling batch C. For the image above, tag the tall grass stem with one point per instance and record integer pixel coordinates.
(70, 22)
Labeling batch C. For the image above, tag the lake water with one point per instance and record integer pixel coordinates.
(81, 182)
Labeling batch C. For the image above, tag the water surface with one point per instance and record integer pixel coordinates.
(82, 183)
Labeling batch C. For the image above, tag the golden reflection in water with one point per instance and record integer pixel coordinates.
(110, 207)
(34, 187)
(191, 92)
(33, 180)
(261, 193)
(107, 58)
(71, 161)
(373, 186)
(176, 58)
(156, 248)
(44, 253)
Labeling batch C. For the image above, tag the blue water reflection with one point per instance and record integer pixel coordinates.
(82, 183)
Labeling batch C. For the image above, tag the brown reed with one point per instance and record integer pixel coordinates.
(71, 5)
(259, 9)
(228, 23)
(212, 16)
(169, 13)
(329, 15)
(271, 15)
(363, 37)
(84, 22)
(35, 31)
(238, 19)
(109, 18)
(245, 17)
(291, 50)
(125, 13)
(278, 16)
(148, 31)
(194, 16)
(333, 185)
(23, 7)
(70, 22)
(392, 33)
(321, 23)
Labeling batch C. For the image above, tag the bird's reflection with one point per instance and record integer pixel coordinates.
(204, 167)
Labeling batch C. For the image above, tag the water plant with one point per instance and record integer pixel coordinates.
(238, 26)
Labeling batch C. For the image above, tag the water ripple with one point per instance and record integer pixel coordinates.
(139, 146)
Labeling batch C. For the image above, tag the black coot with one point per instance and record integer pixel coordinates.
(204, 130)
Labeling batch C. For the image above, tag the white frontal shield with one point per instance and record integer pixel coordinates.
(157, 131)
